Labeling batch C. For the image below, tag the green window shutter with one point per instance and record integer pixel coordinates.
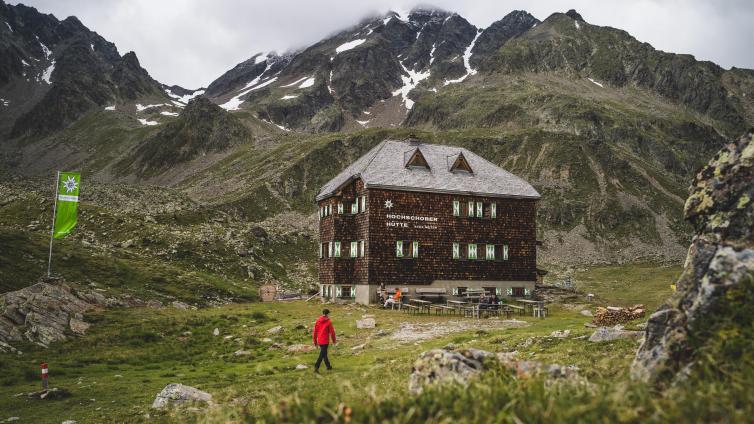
(355, 208)
(363, 203)
(456, 251)
(337, 249)
(456, 208)
(493, 210)
(505, 252)
(361, 248)
(340, 208)
(455, 291)
(472, 251)
(320, 250)
(527, 292)
(490, 252)
(399, 248)
(329, 249)
(354, 249)
(338, 291)
(471, 209)
(479, 209)
(415, 249)
(498, 291)
(509, 291)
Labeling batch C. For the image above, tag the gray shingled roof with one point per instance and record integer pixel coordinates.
(384, 167)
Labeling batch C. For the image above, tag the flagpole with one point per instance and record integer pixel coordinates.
(52, 228)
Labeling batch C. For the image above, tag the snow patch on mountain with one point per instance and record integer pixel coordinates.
(279, 126)
(432, 53)
(147, 122)
(11, 29)
(47, 52)
(167, 113)
(4, 102)
(363, 123)
(308, 83)
(602, 86)
(235, 102)
(140, 107)
(409, 83)
(349, 45)
(184, 99)
(575, 22)
(294, 82)
(288, 97)
(110, 107)
(466, 63)
(48, 72)
(261, 57)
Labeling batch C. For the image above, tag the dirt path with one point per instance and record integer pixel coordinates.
(414, 332)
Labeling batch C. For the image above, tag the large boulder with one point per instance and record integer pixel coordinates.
(606, 334)
(45, 312)
(719, 266)
(175, 394)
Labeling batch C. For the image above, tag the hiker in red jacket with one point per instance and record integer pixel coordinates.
(323, 330)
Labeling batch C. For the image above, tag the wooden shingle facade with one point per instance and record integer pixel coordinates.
(414, 215)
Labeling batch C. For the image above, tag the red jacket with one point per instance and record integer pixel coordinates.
(323, 330)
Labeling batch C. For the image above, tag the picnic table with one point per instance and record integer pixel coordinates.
(421, 304)
(457, 303)
(537, 306)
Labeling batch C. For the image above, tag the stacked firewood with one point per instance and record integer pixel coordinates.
(613, 315)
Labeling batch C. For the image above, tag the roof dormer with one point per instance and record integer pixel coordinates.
(459, 164)
(417, 160)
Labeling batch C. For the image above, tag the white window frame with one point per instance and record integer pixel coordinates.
(338, 291)
(509, 291)
(456, 250)
(340, 208)
(471, 210)
(505, 252)
(456, 208)
(493, 210)
(415, 249)
(399, 249)
(336, 249)
(363, 203)
(329, 249)
(479, 209)
(320, 250)
(361, 248)
(472, 247)
(498, 291)
(455, 291)
(490, 252)
(354, 252)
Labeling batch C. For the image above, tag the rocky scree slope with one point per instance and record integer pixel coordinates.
(715, 298)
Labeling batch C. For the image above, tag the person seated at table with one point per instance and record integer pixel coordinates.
(382, 292)
(396, 298)
(484, 301)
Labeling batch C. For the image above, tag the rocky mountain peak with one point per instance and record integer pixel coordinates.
(573, 14)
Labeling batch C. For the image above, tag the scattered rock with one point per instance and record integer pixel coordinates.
(155, 304)
(720, 261)
(267, 340)
(604, 334)
(180, 305)
(242, 352)
(275, 330)
(586, 312)
(216, 332)
(42, 313)
(175, 394)
(68, 422)
(365, 323)
(560, 334)
(300, 348)
(301, 367)
(589, 325)
(359, 348)
(441, 366)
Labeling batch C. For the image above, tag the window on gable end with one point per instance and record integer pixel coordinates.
(461, 164)
(417, 160)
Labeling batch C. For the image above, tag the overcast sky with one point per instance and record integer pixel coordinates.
(192, 42)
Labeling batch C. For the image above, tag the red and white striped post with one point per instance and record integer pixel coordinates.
(44, 375)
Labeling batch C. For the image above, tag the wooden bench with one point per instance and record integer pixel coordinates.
(442, 309)
(519, 309)
(410, 308)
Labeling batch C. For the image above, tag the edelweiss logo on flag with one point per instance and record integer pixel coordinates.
(66, 208)
(70, 184)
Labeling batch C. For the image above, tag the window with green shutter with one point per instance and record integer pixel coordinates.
(471, 209)
(490, 252)
(415, 249)
(479, 209)
(340, 208)
(329, 249)
(472, 251)
(361, 248)
(354, 249)
(399, 248)
(456, 208)
(493, 210)
(336, 249)
(363, 203)
(355, 207)
(456, 251)
(509, 291)
(505, 252)
(320, 250)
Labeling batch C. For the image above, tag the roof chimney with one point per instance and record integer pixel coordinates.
(413, 139)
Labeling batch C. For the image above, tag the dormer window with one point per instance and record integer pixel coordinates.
(417, 160)
(460, 164)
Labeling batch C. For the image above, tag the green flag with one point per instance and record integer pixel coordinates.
(66, 209)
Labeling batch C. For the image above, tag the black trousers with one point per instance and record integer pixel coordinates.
(322, 356)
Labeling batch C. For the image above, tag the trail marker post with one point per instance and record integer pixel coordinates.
(44, 376)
